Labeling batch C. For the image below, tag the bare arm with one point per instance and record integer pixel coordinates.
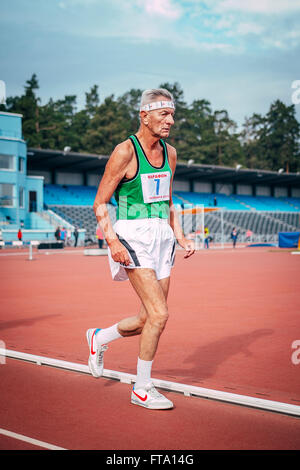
(188, 245)
(115, 170)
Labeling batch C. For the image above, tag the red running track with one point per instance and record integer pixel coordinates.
(233, 318)
(76, 411)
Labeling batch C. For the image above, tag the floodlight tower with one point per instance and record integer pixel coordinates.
(2, 92)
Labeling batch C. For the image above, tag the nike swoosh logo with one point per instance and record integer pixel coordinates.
(92, 351)
(141, 398)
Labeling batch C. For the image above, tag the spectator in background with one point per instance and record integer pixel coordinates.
(248, 235)
(63, 235)
(76, 236)
(99, 236)
(234, 235)
(206, 236)
(1, 238)
(20, 235)
(68, 237)
(57, 234)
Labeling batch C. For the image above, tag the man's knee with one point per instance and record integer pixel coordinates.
(159, 320)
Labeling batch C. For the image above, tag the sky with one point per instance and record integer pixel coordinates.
(240, 55)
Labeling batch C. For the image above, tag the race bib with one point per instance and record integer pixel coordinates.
(156, 186)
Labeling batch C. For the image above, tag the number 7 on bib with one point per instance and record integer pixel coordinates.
(156, 186)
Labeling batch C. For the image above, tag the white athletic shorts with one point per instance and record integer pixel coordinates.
(150, 244)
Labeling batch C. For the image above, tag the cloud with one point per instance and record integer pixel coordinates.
(164, 8)
(226, 26)
(253, 25)
(249, 28)
(260, 6)
(122, 44)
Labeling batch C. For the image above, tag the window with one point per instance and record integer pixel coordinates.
(21, 164)
(21, 197)
(6, 162)
(6, 195)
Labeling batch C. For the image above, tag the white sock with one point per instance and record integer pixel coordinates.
(106, 335)
(143, 376)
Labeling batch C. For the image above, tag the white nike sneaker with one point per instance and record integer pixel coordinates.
(96, 353)
(150, 398)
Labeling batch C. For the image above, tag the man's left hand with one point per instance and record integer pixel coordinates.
(189, 247)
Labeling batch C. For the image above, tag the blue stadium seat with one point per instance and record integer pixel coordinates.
(75, 195)
(239, 202)
(207, 199)
(71, 195)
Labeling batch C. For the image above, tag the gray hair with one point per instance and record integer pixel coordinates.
(149, 96)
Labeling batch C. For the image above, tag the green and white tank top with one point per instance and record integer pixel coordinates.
(147, 194)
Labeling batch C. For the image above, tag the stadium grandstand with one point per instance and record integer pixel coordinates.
(261, 201)
(45, 188)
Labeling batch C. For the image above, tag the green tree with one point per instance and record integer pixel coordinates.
(107, 128)
(129, 104)
(28, 105)
(227, 144)
(92, 101)
(282, 137)
(207, 136)
(272, 141)
(196, 132)
(56, 119)
(252, 137)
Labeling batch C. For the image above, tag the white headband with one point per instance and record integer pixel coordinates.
(157, 105)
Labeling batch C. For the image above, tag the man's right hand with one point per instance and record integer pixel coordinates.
(119, 252)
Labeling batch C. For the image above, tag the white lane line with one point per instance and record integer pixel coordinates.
(30, 440)
(187, 390)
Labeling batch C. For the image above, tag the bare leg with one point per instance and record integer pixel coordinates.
(154, 314)
(149, 323)
(134, 325)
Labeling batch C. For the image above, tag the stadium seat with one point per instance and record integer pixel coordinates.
(263, 215)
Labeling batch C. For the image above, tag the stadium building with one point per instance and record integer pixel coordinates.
(42, 189)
